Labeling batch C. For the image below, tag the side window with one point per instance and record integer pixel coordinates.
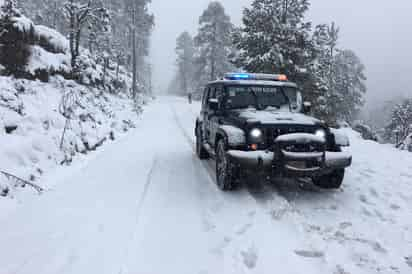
(212, 94)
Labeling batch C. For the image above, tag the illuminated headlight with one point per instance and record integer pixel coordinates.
(256, 135)
(321, 133)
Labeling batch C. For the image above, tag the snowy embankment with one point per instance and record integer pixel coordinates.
(32, 125)
(49, 123)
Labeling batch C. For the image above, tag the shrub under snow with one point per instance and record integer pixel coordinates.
(32, 122)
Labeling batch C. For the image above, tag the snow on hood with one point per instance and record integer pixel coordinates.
(277, 117)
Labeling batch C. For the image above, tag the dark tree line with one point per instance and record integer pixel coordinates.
(114, 31)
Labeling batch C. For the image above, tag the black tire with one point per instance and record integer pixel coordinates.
(333, 180)
(225, 171)
(200, 149)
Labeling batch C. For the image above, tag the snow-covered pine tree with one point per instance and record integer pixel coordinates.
(348, 85)
(322, 93)
(275, 38)
(185, 51)
(214, 43)
(14, 51)
(80, 14)
(400, 125)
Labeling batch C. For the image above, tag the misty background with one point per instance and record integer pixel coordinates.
(379, 31)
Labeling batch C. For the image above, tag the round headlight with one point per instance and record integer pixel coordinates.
(321, 133)
(256, 135)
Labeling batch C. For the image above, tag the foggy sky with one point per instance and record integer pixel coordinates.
(379, 31)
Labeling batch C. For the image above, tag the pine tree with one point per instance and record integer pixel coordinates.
(185, 52)
(275, 38)
(322, 92)
(214, 43)
(348, 76)
(400, 125)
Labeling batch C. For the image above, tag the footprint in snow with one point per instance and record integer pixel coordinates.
(243, 229)
(406, 175)
(345, 225)
(309, 253)
(395, 207)
(408, 261)
(250, 258)
(374, 192)
(340, 270)
(364, 199)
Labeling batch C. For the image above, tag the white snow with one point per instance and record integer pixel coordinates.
(33, 149)
(146, 204)
(300, 137)
(236, 135)
(277, 117)
(53, 36)
(42, 59)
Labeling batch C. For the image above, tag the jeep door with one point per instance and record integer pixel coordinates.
(215, 116)
(204, 114)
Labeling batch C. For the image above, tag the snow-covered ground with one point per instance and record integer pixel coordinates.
(146, 204)
(36, 145)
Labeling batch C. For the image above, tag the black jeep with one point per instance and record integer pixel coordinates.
(258, 124)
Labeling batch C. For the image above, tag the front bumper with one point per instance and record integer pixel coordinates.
(289, 163)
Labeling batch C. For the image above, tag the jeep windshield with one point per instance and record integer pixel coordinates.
(263, 97)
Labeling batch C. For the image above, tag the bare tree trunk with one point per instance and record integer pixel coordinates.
(134, 64)
(117, 69)
(134, 53)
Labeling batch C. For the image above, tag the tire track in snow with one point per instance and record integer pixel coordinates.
(139, 207)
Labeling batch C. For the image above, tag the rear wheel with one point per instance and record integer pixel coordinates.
(333, 180)
(225, 171)
(200, 149)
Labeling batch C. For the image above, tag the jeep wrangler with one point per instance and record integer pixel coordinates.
(259, 124)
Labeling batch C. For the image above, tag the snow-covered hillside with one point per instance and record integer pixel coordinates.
(47, 119)
(146, 204)
(32, 125)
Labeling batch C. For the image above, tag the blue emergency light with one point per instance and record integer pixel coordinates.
(238, 76)
(255, 76)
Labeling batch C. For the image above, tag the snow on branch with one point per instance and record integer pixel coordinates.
(22, 182)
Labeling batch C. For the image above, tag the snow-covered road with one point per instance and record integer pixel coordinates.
(147, 205)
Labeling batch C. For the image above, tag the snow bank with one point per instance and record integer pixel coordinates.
(41, 59)
(52, 36)
(32, 125)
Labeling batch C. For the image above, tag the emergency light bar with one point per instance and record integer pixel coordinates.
(256, 76)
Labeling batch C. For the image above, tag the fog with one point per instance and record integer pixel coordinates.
(379, 31)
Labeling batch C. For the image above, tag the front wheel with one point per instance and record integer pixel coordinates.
(225, 174)
(333, 180)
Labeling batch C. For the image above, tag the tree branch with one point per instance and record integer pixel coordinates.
(22, 182)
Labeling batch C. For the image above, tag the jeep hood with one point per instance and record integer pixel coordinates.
(274, 117)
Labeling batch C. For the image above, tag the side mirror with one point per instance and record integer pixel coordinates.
(214, 104)
(307, 107)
